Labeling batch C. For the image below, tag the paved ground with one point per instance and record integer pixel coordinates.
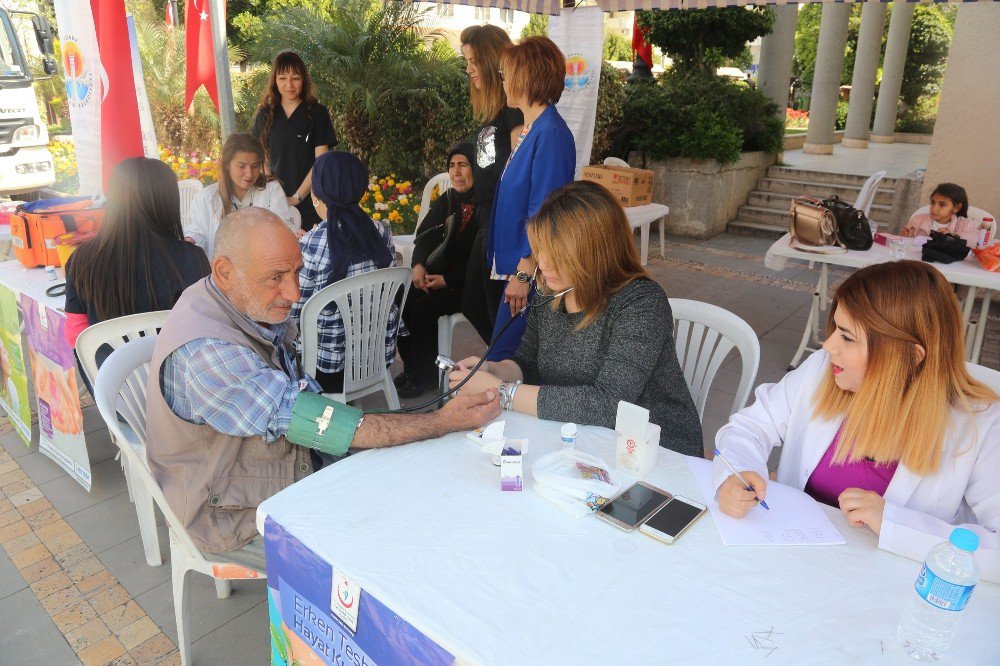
(74, 585)
(896, 159)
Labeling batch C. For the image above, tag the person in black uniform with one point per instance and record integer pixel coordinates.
(295, 129)
(440, 261)
(481, 48)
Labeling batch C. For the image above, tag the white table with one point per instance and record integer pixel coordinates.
(639, 217)
(509, 578)
(33, 282)
(967, 272)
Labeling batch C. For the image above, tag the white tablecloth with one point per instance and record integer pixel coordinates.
(508, 578)
(31, 281)
(968, 272)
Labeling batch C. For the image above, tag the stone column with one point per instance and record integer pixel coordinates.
(776, 56)
(892, 72)
(859, 112)
(826, 78)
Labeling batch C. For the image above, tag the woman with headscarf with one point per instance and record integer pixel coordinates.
(347, 242)
(440, 261)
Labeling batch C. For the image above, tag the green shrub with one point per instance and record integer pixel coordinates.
(841, 121)
(611, 100)
(700, 116)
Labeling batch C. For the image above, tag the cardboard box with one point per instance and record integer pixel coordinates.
(511, 467)
(631, 187)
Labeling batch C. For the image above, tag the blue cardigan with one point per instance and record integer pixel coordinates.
(545, 161)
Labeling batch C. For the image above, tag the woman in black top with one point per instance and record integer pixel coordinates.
(438, 276)
(481, 48)
(139, 261)
(295, 129)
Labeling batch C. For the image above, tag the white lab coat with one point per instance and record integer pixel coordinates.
(920, 511)
(206, 213)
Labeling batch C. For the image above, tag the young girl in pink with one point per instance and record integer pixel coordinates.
(948, 210)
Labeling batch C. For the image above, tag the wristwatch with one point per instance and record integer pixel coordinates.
(522, 277)
(297, 197)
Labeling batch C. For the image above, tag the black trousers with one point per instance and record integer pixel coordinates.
(420, 313)
(481, 296)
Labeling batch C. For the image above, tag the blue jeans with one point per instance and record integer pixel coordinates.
(506, 345)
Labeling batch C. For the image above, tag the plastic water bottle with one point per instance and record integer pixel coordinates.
(568, 434)
(939, 595)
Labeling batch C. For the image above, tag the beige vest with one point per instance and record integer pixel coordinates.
(214, 481)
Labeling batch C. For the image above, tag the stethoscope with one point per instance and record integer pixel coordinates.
(535, 300)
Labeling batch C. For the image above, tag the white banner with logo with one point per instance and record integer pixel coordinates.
(149, 146)
(85, 81)
(579, 33)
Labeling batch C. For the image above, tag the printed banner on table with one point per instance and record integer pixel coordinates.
(319, 616)
(53, 372)
(13, 377)
(85, 80)
(579, 33)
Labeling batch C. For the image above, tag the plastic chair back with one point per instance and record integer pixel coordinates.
(615, 162)
(115, 332)
(704, 334)
(443, 182)
(986, 375)
(868, 191)
(365, 302)
(188, 190)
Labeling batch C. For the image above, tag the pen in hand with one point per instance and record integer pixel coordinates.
(746, 486)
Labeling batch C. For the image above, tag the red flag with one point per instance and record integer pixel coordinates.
(200, 59)
(640, 47)
(121, 135)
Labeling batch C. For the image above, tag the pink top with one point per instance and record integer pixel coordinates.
(922, 225)
(828, 480)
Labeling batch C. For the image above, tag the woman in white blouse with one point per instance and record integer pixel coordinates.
(885, 423)
(241, 183)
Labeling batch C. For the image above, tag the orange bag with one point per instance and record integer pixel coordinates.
(34, 227)
(989, 257)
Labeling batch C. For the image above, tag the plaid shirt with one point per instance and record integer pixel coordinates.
(233, 390)
(314, 276)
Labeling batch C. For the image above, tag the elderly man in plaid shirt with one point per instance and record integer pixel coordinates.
(232, 419)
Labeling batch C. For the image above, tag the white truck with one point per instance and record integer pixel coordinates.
(26, 165)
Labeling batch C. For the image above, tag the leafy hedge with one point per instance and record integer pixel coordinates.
(690, 114)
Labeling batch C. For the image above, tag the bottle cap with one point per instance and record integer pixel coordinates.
(568, 431)
(964, 539)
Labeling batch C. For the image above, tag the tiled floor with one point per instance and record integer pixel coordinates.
(84, 591)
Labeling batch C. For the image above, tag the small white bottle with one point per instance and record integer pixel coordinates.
(568, 435)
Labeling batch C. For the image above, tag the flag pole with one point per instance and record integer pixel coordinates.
(227, 113)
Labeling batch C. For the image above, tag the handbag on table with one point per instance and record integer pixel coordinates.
(812, 226)
(853, 230)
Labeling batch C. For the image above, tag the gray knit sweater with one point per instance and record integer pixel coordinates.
(625, 354)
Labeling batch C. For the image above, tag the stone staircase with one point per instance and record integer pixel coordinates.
(766, 210)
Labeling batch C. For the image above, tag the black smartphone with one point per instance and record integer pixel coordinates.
(633, 506)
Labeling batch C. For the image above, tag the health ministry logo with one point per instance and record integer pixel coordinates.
(579, 72)
(344, 594)
(78, 73)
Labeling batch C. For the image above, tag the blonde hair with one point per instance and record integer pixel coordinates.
(536, 68)
(487, 42)
(901, 411)
(583, 231)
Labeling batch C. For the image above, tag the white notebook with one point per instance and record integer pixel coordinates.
(794, 519)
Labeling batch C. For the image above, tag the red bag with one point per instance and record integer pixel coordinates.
(34, 227)
(989, 257)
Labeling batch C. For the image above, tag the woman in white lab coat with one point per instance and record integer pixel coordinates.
(885, 422)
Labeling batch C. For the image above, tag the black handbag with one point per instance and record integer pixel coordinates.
(438, 260)
(853, 230)
(944, 248)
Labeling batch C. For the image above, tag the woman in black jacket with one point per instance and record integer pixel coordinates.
(440, 260)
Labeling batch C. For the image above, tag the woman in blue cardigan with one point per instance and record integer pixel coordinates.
(542, 159)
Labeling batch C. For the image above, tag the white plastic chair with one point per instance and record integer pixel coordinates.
(116, 333)
(188, 190)
(704, 334)
(446, 329)
(365, 302)
(121, 390)
(986, 375)
(405, 243)
(867, 194)
(615, 162)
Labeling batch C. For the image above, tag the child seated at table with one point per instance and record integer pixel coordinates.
(947, 214)
(885, 422)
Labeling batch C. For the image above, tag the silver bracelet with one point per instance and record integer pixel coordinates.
(511, 390)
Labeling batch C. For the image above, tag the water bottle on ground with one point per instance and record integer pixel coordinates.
(939, 595)
(568, 435)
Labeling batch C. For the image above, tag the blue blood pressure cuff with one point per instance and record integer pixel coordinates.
(322, 424)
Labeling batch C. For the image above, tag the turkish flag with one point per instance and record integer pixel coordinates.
(121, 135)
(640, 47)
(200, 59)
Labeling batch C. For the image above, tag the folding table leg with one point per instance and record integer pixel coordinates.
(984, 312)
(663, 237)
(644, 242)
(811, 331)
(969, 325)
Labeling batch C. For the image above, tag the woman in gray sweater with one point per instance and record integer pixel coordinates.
(609, 338)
